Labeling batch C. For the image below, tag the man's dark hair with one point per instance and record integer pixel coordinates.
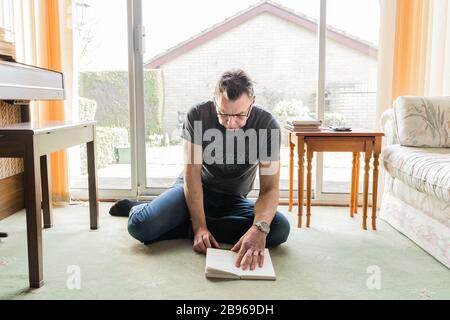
(233, 84)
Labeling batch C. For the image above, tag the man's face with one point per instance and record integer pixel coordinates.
(233, 115)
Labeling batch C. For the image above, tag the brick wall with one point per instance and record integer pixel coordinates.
(282, 59)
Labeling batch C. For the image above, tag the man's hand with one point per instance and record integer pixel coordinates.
(250, 249)
(203, 239)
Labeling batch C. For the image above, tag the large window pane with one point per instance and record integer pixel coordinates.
(101, 74)
(351, 78)
(276, 44)
(6, 16)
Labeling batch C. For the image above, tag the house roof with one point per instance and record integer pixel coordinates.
(276, 9)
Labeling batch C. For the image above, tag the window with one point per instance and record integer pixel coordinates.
(145, 90)
(7, 16)
(101, 70)
(276, 43)
(351, 79)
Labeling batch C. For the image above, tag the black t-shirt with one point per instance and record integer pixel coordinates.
(230, 158)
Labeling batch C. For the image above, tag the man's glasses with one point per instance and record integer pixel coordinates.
(238, 116)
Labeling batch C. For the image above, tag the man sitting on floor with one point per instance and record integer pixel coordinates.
(208, 203)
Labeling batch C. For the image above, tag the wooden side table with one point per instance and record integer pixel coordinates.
(358, 141)
(34, 143)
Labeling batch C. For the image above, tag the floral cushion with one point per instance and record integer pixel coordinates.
(424, 169)
(423, 121)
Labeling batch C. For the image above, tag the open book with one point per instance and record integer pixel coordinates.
(221, 264)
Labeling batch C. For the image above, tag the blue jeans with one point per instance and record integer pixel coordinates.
(227, 217)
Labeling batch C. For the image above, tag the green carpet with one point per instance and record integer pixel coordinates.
(331, 260)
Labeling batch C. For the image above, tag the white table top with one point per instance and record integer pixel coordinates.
(35, 128)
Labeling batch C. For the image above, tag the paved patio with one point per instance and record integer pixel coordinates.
(164, 164)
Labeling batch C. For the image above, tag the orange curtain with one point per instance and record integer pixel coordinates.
(49, 56)
(410, 48)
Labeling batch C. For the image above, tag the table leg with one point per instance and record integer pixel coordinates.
(376, 155)
(301, 159)
(46, 191)
(352, 186)
(32, 186)
(367, 156)
(93, 192)
(309, 156)
(291, 173)
(355, 199)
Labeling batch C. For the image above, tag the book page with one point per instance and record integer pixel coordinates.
(266, 272)
(224, 260)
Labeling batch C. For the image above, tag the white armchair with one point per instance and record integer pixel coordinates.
(416, 165)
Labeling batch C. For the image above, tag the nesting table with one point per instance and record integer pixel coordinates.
(357, 141)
